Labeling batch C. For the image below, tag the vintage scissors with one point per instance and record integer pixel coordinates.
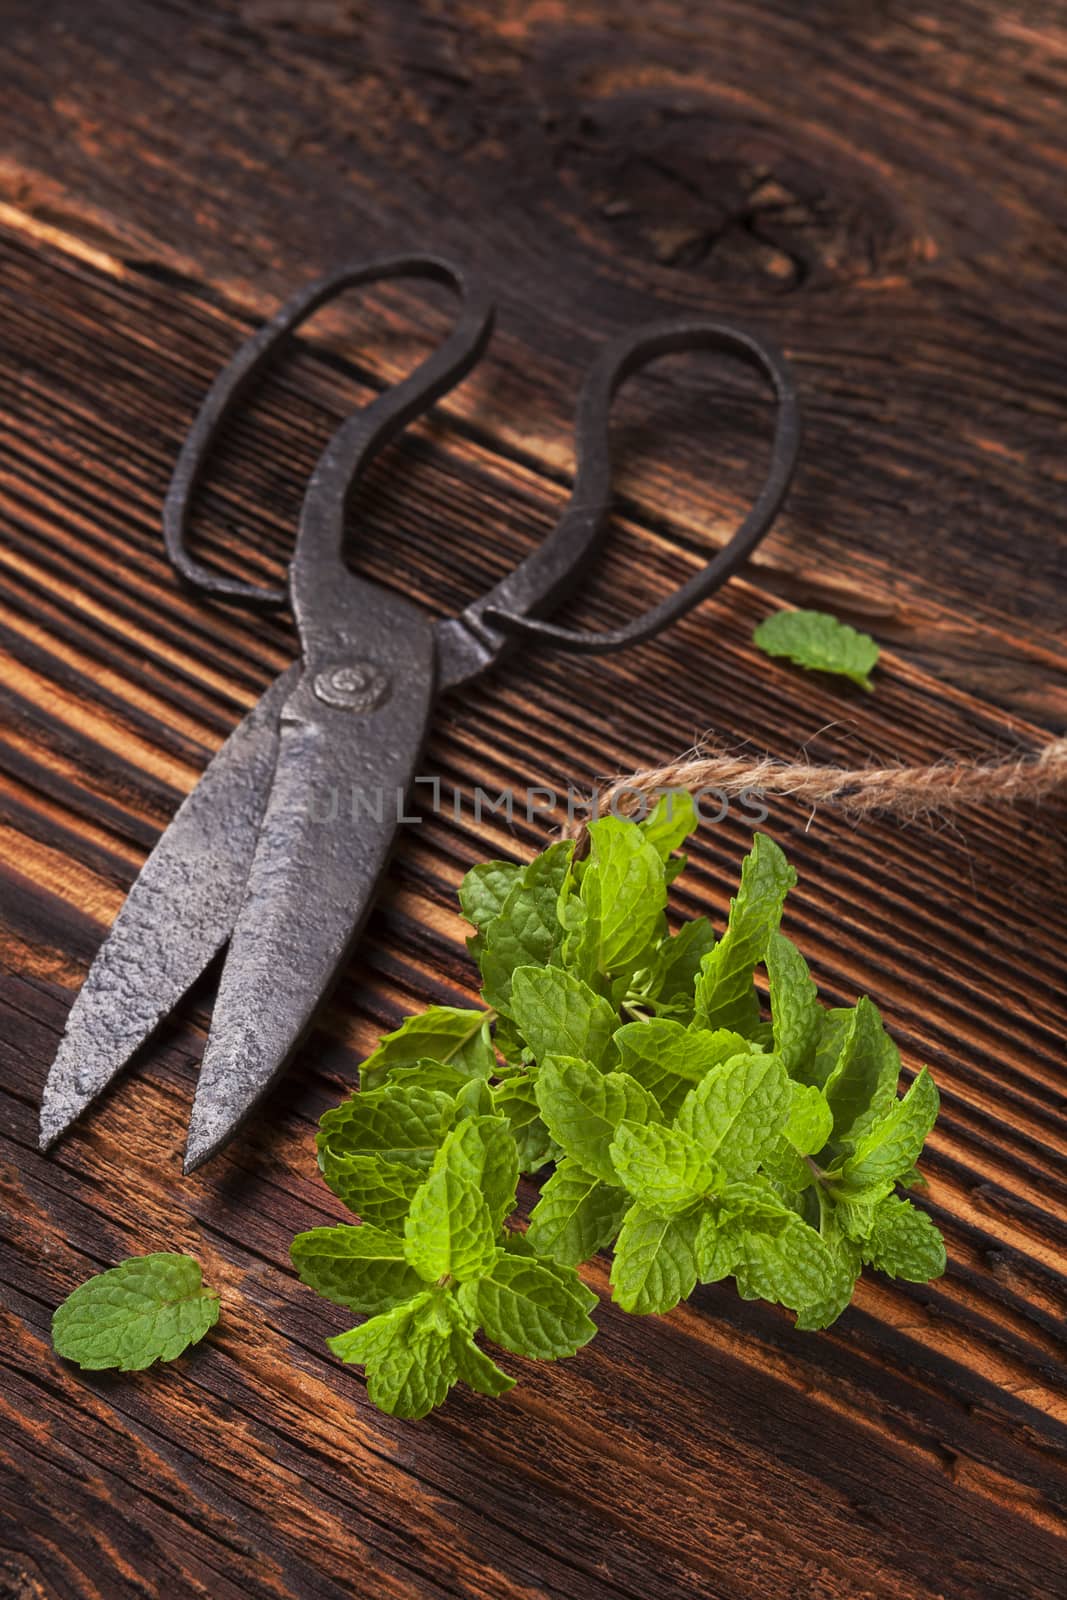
(246, 860)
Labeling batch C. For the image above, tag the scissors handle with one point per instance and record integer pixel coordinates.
(391, 410)
(551, 571)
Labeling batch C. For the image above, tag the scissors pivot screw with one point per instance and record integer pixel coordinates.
(359, 686)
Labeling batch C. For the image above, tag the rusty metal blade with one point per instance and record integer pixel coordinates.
(315, 871)
(179, 912)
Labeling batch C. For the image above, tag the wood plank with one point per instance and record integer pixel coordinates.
(887, 208)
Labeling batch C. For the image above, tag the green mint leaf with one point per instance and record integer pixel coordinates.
(448, 1231)
(725, 994)
(582, 1107)
(782, 1163)
(559, 1015)
(623, 895)
(893, 1145)
(363, 1268)
(400, 1123)
(833, 1029)
(475, 1099)
(407, 1353)
(738, 1111)
(424, 1074)
(904, 1242)
(720, 1239)
(516, 1101)
(717, 1246)
(475, 1368)
(661, 1167)
(378, 1191)
(863, 1083)
(854, 1209)
(667, 1059)
(444, 1033)
(810, 1121)
(530, 1309)
(526, 930)
(576, 1215)
(149, 1308)
(815, 640)
(795, 1011)
(671, 821)
(485, 889)
(785, 1260)
(482, 1151)
(679, 960)
(837, 1292)
(655, 1261)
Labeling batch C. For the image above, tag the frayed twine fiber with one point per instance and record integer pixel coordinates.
(905, 792)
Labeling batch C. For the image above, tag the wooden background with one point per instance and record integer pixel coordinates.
(880, 186)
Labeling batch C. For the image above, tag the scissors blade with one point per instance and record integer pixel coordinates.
(178, 913)
(323, 846)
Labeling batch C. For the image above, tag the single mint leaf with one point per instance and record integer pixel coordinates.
(655, 1262)
(815, 640)
(893, 1145)
(576, 1215)
(662, 1168)
(149, 1308)
(408, 1355)
(738, 1111)
(485, 889)
(425, 1074)
(529, 1308)
(717, 1246)
(810, 1121)
(725, 994)
(559, 1015)
(582, 1108)
(362, 1268)
(475, 1368)
(854, 1209)
(482, 1150)
(837, 1293)
(752, 1199)
(795, 1010)
(445, 1033)
(863, 1083)
(448, 1232)
(526, 930)
(784, 1260)
(667, 1059)
(782, 1163)
(623, 895)
(904, 1242)
(671, 821)
(833, 1029)
(377, 1191)
(474, 1099)
(678, 963)
(403, 1123)
(516, 1101)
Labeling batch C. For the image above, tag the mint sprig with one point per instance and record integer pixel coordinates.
(672, 1119)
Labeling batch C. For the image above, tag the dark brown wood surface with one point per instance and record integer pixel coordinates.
(881, 188)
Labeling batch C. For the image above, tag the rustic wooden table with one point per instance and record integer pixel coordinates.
(880, 187)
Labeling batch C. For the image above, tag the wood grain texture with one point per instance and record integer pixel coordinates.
(880, 188)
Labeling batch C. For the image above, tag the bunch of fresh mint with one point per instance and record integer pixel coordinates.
(698, 1138)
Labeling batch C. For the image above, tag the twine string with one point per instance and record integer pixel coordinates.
(905, 792)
